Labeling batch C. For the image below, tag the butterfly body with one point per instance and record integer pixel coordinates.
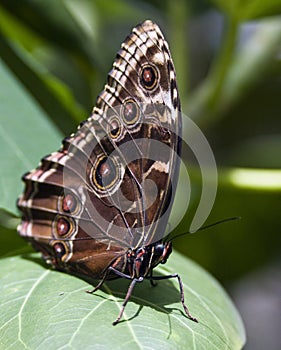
(99, 206)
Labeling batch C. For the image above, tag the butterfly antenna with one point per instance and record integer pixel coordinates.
(207, 226)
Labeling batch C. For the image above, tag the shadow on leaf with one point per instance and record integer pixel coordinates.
(158, 297)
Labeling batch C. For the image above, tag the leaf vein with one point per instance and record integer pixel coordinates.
(37, 282)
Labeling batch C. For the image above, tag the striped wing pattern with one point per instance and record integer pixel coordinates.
(110, 186)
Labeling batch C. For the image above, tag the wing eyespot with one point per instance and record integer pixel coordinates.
(68, 203)
(149, 77)
(105, 173)
(114, 127)
(60, 250)
(130, 112)
(63, 226)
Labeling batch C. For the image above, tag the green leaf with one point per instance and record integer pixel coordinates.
(71, 318)
(53, 95)
(21, 147)
(10, 242)
(249, 9)
(237, 72)
(58, 23)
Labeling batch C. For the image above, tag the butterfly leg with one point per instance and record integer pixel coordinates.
(101, 282)
(97, 286)
(154, 284)
(128, 295)
(181, 292)
(129, 292)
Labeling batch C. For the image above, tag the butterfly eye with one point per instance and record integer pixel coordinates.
(158, 249)
(105, 173)
(60, 250)
(130, 112)
(149, 77)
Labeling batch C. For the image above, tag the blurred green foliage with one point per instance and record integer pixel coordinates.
(229, 73)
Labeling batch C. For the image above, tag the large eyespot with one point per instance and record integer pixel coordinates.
(105, 173)
(130, 112)
(149, 77)
(60, 250)
(63, 226)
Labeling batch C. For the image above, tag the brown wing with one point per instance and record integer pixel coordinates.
(109, 187)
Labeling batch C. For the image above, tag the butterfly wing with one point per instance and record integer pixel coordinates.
(111, 185)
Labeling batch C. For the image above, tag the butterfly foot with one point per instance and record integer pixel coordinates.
(194, 319)
(116, 321)
(94, 290)
(91, 291)
(153, 284)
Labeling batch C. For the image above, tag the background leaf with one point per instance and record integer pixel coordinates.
(19, 115)
(249, 9)
(69, 317)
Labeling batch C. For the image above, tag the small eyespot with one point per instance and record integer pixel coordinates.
(63, 226)
(149, 77)
(114, 128)
(60, 250)
(105, 173)
(69, 203)
(130, 112)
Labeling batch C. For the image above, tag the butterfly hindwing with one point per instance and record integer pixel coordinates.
(109, 187)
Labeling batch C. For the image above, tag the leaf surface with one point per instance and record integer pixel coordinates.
(21, 147)
(42, 308)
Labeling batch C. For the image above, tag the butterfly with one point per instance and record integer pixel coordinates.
(99, 206)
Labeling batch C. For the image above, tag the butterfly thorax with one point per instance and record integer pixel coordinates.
(141, 261)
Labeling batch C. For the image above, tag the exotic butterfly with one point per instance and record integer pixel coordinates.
(99, 206)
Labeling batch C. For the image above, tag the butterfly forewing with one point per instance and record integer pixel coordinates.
(110, 187)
